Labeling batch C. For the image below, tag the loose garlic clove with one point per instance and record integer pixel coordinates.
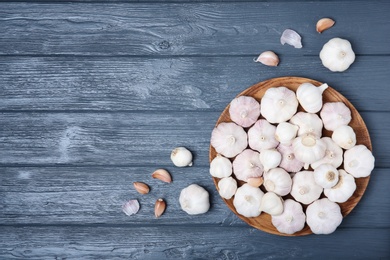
(343, 190)
(324, 24)
(227, 187)
(286, 132)
(308, 149)
(221, 167)
(162, 175)
(304, 188)
(271, 204)
(310, 96)
(244, 111)
(255, 182)
(181, 157)
(291, 220)
(278, 104)
(326, 176)
(229, 139)
(194, 200)
(289, 162)
(131, 207)
(278, 181)
(268, 58)
(323, 216)
(335, 114)
(247, 165)
(247, 201)
(344, 136)
(141, 187)
(291, 38)
(270, 159)
(261, 136)
(337, 55)
(308, 123)
(159, 207)
(359, 161)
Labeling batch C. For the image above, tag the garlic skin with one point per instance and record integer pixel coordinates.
(131, 207)
(268, 58)
(289, 162)
(308, 149)
(335, 114)
(344, 136)
(323, 216)
(221, 167)
(304, 188)
(292, 38)
(194, 200)
(244, 111)
(308, 123)
(278, 104)
(344, 188)
(270, 159)
(227, 187)
(247, 201)
(271, 204)
(181, 157)
(286, 132)
(261, 136)
(229, 139)
(247, 165)
(333, 154)
(278, 181)
(310, 96)
(337, 55)
(326, 176)
(359, 161)
(291, 220)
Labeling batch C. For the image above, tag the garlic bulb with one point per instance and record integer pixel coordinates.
(292, 38)
(278, 181)
(247, 201)
(227, 187)
(244, 111)
(268, 58)
(333, 154)
(271, 204)
(221, 167)
(181, 157)
(247, 165)
(291, 220)
(270, 159)
(289, 162)
(323, 216)
(337, 54)
(131, 207)
(194, 200)
(335, 114)
(278, 104)
(308, 123)
(310, 96)
(229, 139)
(261, 136)
(286, 132)
(344, 136)
(326, 176)
(359, 161)
(304, 188)
(344, 188)
(308, 149)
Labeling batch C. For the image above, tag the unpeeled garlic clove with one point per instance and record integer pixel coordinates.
(159, 207)
(141, 187)
(324, 24)
(162, 175)
(268, 58)
(255, 181)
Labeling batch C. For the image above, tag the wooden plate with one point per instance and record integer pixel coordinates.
(263, 222)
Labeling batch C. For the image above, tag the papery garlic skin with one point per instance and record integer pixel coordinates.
(359, 161)
(268, 58)
(270, 159)
(247, 165)
(278, 104)
(261, 136)
(229, 139)
(344, 188)
(278, 181)
(271, 204)
(289, 162)
(308, 149)
(227, 187)
(335, 114)
(292, 38)
(310, 96)
(131, 207)
(244, 110)
(247, 201)
(291, 220)
(286, 132)
(308, 123)
(304, 188)
(221, 167)
(344, 136)
(181, 157)
(337, 55)
(333, 154)
(326, 176)
(194, 200)
(323, 216)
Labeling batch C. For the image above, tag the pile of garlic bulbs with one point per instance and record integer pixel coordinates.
(283, 162)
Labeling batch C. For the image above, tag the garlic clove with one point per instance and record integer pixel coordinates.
(244, 110)
(343, 190)
(227, 187)
(159, 207)
(326, 176)
(181, 157)
(359, 161)
(162, 175)
(221, 167)
(271, 204)
(324, 24)
(289, 162)
(292, 38)
(131, 207)
(278, 181)
(247, 201)
(335, 114)
(256, 181)
(268, 58)
(261, 136)
(229, 139)
(291, 220)
(337, 55)
(141, 187)
(310, 96)
(247, 165)
(323, 216)
(270, 159)
(194, 200)
(304, 188)
(344, 136)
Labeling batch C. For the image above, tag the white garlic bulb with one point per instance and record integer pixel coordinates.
(194, 200)
(291, 220)
(289, 162)
(308, 149)
(335, 114)
(229, 139)
(323, 216)
(333, 154)
(310, 96)
(337, 55)
(344, 136)
(285, 133)
(261, 136)
(344, 188)
(181, 157)
(278, 104)
(326, 175)
(271, 204)
(227, 187)
(247, 165)
(270, 159)
(308, 123)
(244, 111)
(304, 188)
(247, 201)
(221, 167)
(278, 181)
(359, 161)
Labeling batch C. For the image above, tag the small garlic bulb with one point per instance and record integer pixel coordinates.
(333, 154)
(304, 188)
(337, 55)
(291, 220)
(227, 187)
(221, 167)
(310, 96)
(271, 204)
(247, 165)
(308, 149)
(261, 136)
(323, 216)
(344, 136)
(229, 139)
(181, 157)
(247, 201)
(289, 162)
(194, 200)
(286, 132)
(278, 104)
(244, 111)
(335, 114)
(359, 161)
(270, 159)
(344, 188)
(326, 176)
(278, 181)
(308, 123)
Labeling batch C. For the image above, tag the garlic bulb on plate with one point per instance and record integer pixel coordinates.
(323, 216)
(247, 201)
(333, 154)
(278, 181)
(229, 139)
(326, 175)
(255, 181)
(308, 123)
(270, 159)
(291, 220)
(247, 165)
(310, 96)
(227, 187)
(344, 136)
(286, 132)
(181, 157)
(289, 162)
(244, 111)
(337, 55)
(194, 200)
(304, 188)
(221, 167)
(278, 104)
(344, 188)
(308, 149)
(271, 204)
(261, 136)
(359, 161)
(335, 114)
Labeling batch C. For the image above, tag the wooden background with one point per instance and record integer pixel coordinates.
(94, 95)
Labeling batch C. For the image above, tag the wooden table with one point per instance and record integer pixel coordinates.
(94, 96)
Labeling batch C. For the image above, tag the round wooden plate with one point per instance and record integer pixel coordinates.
(263, 222)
